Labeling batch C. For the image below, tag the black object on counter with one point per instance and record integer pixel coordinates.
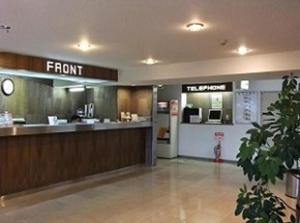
(187, 112)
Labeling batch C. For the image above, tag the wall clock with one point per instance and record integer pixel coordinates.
(8, 87)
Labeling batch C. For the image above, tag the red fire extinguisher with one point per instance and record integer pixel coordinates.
(217, 151)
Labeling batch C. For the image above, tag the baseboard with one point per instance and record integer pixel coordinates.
(207, 159)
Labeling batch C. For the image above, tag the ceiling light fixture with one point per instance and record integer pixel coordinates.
(150, 61)
(195, 27)
(76, 89)
(243, 50)
(84, 45)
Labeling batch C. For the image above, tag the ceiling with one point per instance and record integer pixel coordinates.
(127, 31)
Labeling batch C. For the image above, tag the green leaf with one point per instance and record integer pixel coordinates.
(266, 155)
(238, 210)
(246, 152)
(251, 131)
(256, 125)
(244, 139)
(269, 113)
(269, 167)
(288, 158)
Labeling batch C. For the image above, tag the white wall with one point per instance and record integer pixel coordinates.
(265, 85)
(197, 140)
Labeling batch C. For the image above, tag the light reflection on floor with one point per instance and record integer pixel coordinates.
(186, 191)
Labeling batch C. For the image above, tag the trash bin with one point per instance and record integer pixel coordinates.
(292, 184)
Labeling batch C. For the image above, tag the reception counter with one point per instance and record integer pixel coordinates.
(33, 129)
(33, 156)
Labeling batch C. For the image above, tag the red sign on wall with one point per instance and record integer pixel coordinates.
(174, 107)
(219, 135)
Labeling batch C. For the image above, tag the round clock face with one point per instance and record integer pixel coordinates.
(7, 87)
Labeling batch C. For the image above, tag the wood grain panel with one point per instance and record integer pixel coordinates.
(135, 100)
(35, 99)
(28, 162)
(38, 64)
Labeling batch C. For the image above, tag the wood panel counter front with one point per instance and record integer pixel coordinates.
(32, 161)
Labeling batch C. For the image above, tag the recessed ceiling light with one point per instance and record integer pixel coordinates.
(195, 27)
(150, 61)
(84, 45)
(243, 50)
(76, 89)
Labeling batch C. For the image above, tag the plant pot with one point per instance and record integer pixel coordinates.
(292, 184)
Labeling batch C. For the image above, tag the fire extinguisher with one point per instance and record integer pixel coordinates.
(217, 151)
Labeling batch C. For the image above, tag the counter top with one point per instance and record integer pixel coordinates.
(35, 129)
(203, 123)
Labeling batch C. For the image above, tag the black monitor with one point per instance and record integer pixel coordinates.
(187, 112)
(215, 115)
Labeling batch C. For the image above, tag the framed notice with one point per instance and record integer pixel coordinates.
(174, 107)
(216, 100)
(246, 110)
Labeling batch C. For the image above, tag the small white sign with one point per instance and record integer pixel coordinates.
(245, 84)
(246, 107)
(216, 100)
(52, 120)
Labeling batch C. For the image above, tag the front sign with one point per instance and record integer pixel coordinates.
(55, 67)
(216, 87)
(63, 68)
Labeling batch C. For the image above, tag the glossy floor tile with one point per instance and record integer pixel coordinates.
(181, 190)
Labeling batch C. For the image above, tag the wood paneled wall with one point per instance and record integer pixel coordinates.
(135, 100)
(28, 162)
(35, 99)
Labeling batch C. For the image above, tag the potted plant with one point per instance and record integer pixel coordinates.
(270, 151)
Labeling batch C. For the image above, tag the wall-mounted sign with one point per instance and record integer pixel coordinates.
(55, 67)
(219, 136)
(174, 107)
(58, 67)
(212, 87)
(216, 100)
(246, 107)
(244, 84)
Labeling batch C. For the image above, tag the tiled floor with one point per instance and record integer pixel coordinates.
(186, 191)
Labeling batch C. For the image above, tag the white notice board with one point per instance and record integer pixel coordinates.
(216, 100)
(246, 104)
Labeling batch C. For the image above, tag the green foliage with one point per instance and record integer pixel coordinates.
(270, 150)
(259, 205)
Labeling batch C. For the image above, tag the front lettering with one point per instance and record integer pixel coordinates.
(57, 68)
(79, 69)
(64, 68)
(73, 69)
(50, 65)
